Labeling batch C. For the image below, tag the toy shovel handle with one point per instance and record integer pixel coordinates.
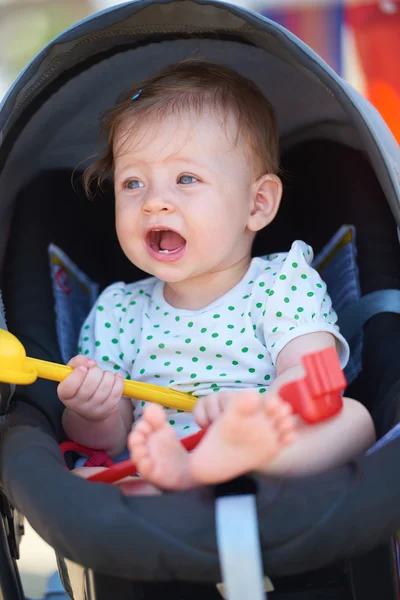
(132, 389)
(159, 395)
(49, 370)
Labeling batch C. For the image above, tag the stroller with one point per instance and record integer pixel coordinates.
(328, 536)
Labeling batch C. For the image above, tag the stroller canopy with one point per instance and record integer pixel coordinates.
(48, 122)
(49, 118)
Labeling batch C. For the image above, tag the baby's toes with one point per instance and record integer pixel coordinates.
(246, 404)
(139, 434)
(138, 444)
(288, 438)
(154, 415)
(143, 427)
(276, 408)
(140, 453)
(138, 438)
(287, 429)
(145, 465)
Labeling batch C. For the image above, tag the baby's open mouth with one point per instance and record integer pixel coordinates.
(165, 241)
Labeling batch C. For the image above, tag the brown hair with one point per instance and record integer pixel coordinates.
(194, 85)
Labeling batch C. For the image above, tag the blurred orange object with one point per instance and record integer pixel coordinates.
(376, 30)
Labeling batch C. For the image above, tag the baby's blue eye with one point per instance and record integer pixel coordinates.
(185, 179)
(134, 184)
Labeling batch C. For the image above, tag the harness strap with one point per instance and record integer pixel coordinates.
(239, 547)
(99, 458)
(352, 318)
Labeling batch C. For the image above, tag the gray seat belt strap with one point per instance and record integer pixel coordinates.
(239, 547)
(353, 317)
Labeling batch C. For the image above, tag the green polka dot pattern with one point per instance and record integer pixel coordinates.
(233, 343)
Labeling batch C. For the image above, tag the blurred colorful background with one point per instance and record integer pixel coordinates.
(360, 39)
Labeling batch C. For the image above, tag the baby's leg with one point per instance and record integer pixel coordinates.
(129, 486)
(247, 435)
(328, 444)
(250, 432)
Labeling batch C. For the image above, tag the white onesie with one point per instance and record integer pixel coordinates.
(232, 343)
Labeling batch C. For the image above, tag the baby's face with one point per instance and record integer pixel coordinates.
(183, 196)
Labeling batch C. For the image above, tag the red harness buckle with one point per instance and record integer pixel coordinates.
(97, 458)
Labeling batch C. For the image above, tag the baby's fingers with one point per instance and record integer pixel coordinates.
(68, 388)
(200, 413)
(80, 360)
(209, 408)
(115, 394)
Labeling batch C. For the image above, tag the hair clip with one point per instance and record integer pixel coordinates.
(136, 96)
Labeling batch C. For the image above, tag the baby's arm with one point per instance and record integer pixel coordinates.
(289, 367)
(317, 447)
(327, 444)
(289, 361)
(96, 414)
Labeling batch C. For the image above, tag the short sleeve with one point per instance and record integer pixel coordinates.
(100, 334)
(298, 303)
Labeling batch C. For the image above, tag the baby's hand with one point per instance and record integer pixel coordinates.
(209, 408)
(89, 391)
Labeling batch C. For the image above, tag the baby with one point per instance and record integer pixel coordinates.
(194, 156)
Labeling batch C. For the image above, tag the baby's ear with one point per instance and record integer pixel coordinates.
(266, 198)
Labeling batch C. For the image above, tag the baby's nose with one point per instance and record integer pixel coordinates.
(157, 203)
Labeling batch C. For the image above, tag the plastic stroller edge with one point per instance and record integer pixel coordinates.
(38, 484)
(137, 540)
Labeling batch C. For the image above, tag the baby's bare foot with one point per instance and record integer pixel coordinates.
(245, 438)
(157, 452)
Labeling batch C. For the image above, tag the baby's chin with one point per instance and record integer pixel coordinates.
(163, 272)
(177, 272)
(170, 278)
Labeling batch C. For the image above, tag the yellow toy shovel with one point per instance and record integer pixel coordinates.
(16, 367)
